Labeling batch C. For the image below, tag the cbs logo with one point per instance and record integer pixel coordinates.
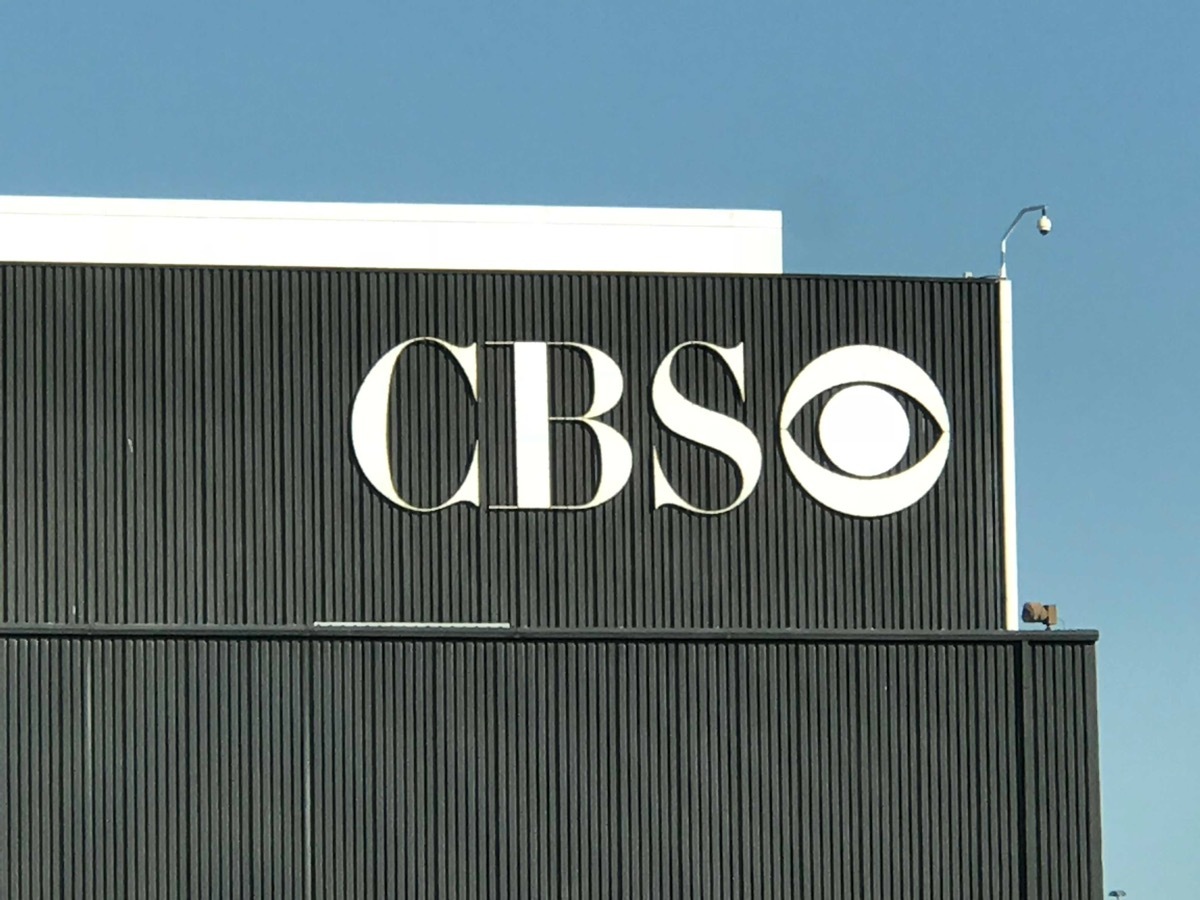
(863, 428)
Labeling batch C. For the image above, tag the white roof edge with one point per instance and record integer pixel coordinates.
(389, 212)
(388, 235)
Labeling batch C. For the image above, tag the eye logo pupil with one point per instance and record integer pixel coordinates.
(864, 430)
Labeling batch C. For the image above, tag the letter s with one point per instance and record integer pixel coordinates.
(705, 427)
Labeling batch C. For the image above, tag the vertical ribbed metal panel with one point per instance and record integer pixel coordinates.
(881, 768)
(152, 769)
(175, 449)
(1063, 773)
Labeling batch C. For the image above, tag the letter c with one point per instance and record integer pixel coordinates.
(369, 425)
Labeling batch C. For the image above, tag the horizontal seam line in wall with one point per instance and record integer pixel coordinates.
(367, 631)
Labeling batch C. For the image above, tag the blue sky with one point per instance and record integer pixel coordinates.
(896, 138)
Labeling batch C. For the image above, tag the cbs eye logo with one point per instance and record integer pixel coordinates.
(864, 431)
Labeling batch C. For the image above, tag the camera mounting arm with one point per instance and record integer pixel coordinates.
(1043, 227)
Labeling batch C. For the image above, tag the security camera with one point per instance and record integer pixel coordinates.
(1043, 225)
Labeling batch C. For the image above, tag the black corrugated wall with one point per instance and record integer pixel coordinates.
(779, 701)
(176, 448)
(675, 766)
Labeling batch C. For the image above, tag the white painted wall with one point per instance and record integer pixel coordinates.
(388, 235)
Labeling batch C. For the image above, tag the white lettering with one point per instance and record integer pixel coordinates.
(864, 441)
(369, 425)
(705, 427)
(532, 414)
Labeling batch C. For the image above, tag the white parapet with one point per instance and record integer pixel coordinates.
(388, 235)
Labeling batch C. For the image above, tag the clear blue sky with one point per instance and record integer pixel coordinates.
(896, 138)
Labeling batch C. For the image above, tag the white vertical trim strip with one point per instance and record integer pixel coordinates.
(1012, 604)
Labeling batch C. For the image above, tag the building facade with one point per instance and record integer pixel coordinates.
(350, 573)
